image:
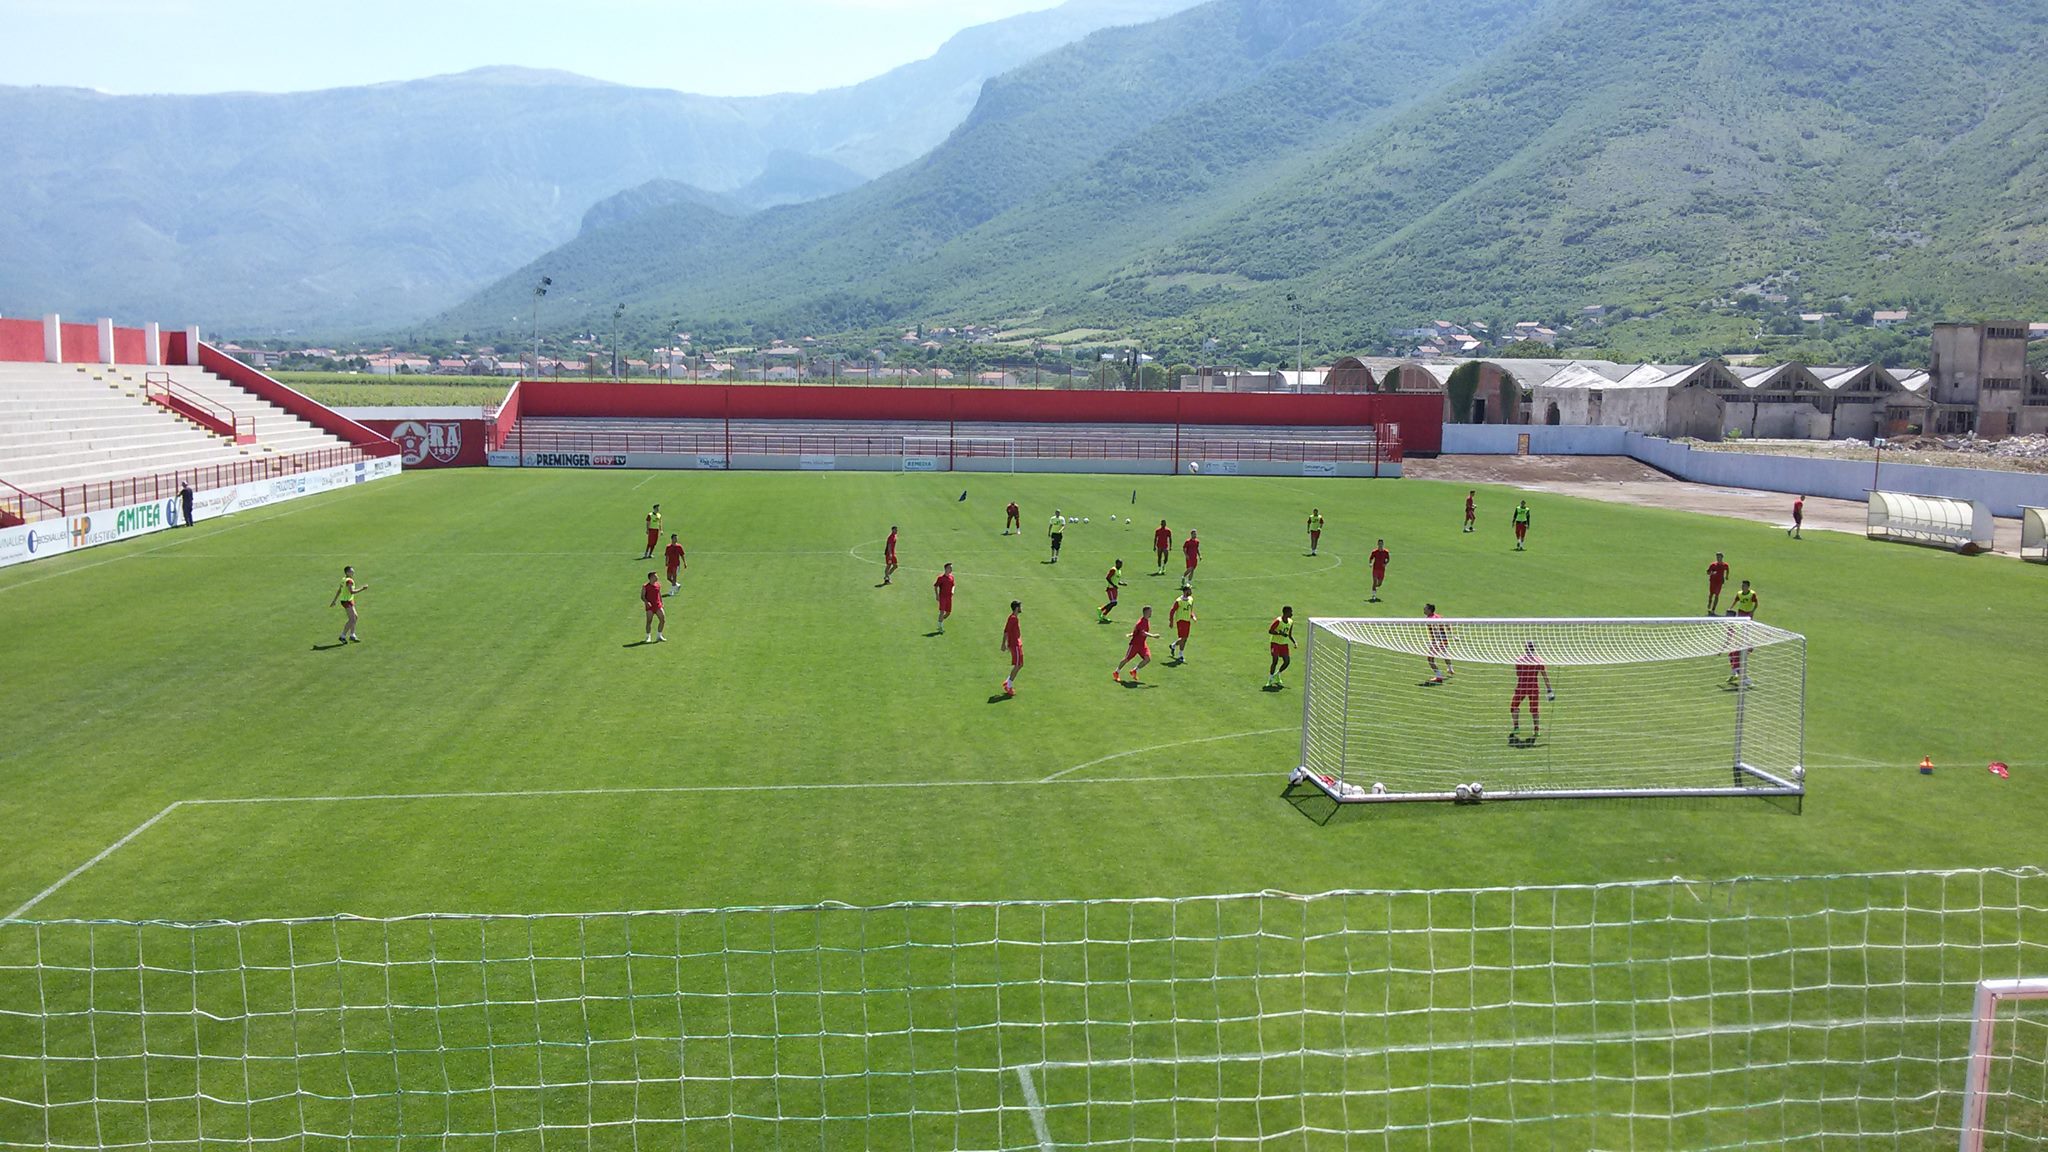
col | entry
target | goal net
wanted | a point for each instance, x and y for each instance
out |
(1752, 1013)
(959, 454)
(1422, 709)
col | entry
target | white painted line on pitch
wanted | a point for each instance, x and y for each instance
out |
(643, 483)
(182, 539)
(1037, 1109)
(109, 850)
(1654, 1035)
(1159, 747)
(646, 790)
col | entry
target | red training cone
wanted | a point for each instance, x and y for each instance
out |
(1997, 768)
(1927, 765)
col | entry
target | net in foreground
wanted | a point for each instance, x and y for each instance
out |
(1470, 709)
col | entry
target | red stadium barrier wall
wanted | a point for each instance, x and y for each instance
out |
(436, 443)
(81, 343)
(311, 411)
(21, 341)
(1420, 417)
(508, 415)
(173, 346)
(131, 346)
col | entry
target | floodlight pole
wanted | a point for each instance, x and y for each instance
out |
(616, 313)
(1295, 304)
(539, 290)
(1878, 464)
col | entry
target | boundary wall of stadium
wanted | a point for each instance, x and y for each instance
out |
(46, 538)
(2006, 492)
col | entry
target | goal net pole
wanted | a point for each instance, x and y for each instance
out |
(1434, 709)
(2008, 1064)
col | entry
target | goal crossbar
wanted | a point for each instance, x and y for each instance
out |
(1431, 709)
(1985, 1054)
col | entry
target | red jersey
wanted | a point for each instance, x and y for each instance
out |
(945, 585)
(1162, 538)
(1379, 559)
(1468, 505)
(1013, 633)
(1192, 549)
(1011, 511)
(1798, 508)
(674, 553)
(650, 595)
(1717, 573)
(1141, 632)
(889, 547)
(1527, 669)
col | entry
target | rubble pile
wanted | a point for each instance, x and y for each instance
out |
(2010, 448)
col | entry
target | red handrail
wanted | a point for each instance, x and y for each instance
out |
(160, 389)
(75, 499)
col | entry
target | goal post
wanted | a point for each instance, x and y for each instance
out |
(959, 454)
(1468, 709)
(2005, 1087)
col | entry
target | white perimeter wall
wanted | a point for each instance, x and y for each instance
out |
(48, 538)
(2005, 492)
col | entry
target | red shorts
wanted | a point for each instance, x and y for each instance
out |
(653, 537)
(945, 603)
(1182, 627)
(1192, 564)
(1714, 587)
(1282, 650)
(1315, 534)
(1379, 573)
(1138, 650)
(1112, 594)
(1017, 654)
(672, 570)
(1522, 694)
(889, 558)
(1520, 529)
(652, 608)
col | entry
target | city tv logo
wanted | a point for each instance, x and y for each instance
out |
(429, 440)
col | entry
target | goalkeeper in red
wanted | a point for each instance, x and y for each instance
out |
(1528, 670)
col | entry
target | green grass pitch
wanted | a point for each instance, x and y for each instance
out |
(500, 742)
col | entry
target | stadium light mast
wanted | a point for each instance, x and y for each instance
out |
(1294, 304)
(616, 313)
(539, 290)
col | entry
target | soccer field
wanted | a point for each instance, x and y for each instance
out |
(502, 743)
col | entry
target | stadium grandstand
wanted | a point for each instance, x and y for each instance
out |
(95, 417)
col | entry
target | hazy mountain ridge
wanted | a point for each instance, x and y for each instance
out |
(1406, 160)
(377, 205)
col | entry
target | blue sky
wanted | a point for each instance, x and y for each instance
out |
(720, 47)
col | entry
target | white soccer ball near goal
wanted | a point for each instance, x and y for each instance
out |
(1194, 466)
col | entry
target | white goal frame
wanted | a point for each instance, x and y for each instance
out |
(2034, 534)
(1491, 642)
(944, 450)
(1983, 1049)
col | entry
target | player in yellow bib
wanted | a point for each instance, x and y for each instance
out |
(1315, 529)
(346, 597)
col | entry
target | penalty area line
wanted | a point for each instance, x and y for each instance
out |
(109, 850)
(1055, 777)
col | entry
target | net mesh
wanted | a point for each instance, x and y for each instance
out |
(1753, 1013)
(1548, 707)
(2015, 1087)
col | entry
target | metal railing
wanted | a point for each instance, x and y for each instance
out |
(1365, 449)
(215, 417)
(77, 499)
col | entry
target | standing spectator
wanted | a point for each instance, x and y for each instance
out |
(185, 502)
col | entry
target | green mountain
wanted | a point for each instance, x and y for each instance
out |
(357, 207)
(1384, 163)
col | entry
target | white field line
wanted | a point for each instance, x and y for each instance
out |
(109, 850)
(1160, 747)
(646, 790)
(1694, 1032)
(1037, 1109)
(643, 483)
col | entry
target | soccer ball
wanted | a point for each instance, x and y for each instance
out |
(1478, 790)
(1084, 519)
(1379, 789)
(1127, 521)
(1464, 793)
(1194, 466)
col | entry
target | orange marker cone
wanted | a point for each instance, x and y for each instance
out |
(1927, 765)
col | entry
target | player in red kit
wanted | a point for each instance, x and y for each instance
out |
(1012, 521)
(1439, 634)
(1013, 643)
(1528, 669)
(1798, 518)
(889, 556)
(1717, 575)
(1114, 578)
(1192, 549)
(943, 589)
(657, 620)
(673, 554)
(1140, 649)
(1379, 560)
(1471, 509)
(1162, 547)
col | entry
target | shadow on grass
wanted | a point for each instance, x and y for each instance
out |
(641, 644)
(1000, 698)
(330, 647)
(935, 632)
(1316, 806)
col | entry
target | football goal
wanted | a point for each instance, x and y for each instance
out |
(2005, 1090)
(1483, 709)
(959, 454)
(2034, 533)
(1759, 1013)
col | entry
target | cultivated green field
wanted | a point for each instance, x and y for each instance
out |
(502, 743)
